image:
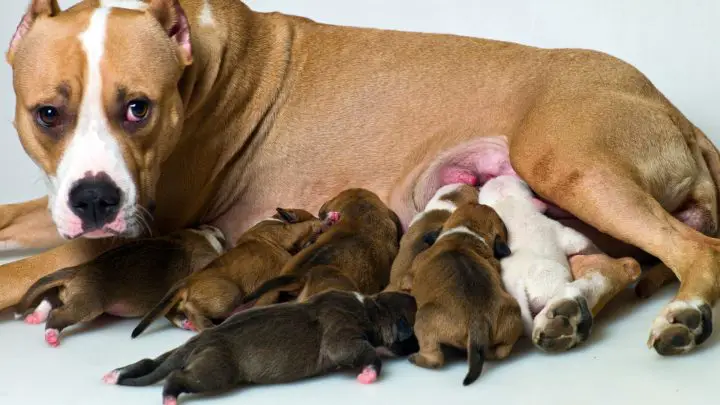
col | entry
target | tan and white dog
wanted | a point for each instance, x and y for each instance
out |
(205, 112)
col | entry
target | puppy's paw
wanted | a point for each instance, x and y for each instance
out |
(368, 375)
(681, 326)
(52, 337)
(425, 361)
(188, 325)
(35, 318)
(111, 377)
(562, 324)
(168, 400)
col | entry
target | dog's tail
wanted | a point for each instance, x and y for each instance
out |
(146, 372)
(286, 283)
(170, 300)
(40, 288)
(478, 339)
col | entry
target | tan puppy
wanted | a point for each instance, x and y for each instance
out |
(156, 104)
(424, 228)
(210, 295)
(126, 281)
(354, 254)
(460, 296)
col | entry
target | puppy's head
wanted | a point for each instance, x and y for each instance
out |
(509, 187)
(483, 221)
(398, 310)
(450, 196)
(356, 203)
(98, 107)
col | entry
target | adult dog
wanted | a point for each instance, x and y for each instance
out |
(204, 111)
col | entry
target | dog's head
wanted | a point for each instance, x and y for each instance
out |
(399, 309)
(504, 187)
(358, 203)
(483, 222)
(98, 106)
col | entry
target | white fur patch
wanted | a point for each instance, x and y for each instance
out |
(127, 4)
(206, 15)
(462, 230)
(437, 204)
(359, 296)
(92, 148)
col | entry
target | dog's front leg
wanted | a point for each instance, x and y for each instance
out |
(18, 276)
(27, 225)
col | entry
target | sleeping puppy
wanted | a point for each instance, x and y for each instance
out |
(126, 281)
(209, 296)
(354, 254)
(537, 274)
(424, 228)
(460, 297)
(283, 343)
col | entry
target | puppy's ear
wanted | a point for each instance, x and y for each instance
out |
(398, 224)
(500, 248)
(430, 237)
(286, 215)
(37, 8)
(171, 16)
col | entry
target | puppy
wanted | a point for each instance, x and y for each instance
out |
(460, 297)
(355, 254)
(537, 274)
(126, 281)
(209, 296)
(283, 343)
(424, 228)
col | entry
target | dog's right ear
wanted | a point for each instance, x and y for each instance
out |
(37, 9)
(501, 249)
(171, 16)
(431, 237)
(286, 215)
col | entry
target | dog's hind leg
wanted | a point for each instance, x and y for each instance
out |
(428, 333)
(80, 308)
(356, 352)
(209, 369)
(135, 370)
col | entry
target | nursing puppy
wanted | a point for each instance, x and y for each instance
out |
(355, 254)
(283, 343)
(537, 274)
(460, 297)
(210, 295)
(424, 228)
(126, 281)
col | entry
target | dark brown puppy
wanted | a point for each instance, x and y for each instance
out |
(357, 250)
(126, 281)
(209, 296)
(459, 292)
(283, 343)
(424, 229)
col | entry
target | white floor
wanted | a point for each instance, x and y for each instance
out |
(674, 43)
(614, 367)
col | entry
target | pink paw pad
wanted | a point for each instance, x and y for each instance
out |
(52, 337)
(188, 325)
(368, 375)
(333, 216)
(169, 401)
(111, 377)
(34, 318)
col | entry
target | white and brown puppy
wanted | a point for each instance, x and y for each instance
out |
(537, 273)
(126, 281)
(424, 228)
(460, 296)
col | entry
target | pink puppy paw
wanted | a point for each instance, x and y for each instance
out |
(111, 377)
(188, 325)
(368, 375)
(34, 318)
(52, 337)
(169, 401)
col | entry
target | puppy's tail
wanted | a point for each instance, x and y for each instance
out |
(477, 343)
(148, 372)
(290, 282)
(40, 288)
(163, 307)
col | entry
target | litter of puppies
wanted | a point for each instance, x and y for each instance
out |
(474, 271)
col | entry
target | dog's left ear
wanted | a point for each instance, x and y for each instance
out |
(430, 237)
(286, 215)
(398, 224)
(171, 16)
(37, 8)
(500, 248)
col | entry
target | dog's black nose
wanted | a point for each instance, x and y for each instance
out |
(95, 200)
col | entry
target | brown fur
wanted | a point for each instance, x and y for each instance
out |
(617, 275)
(460, 297)
(356, 252)
(212, 294)
(587, 132)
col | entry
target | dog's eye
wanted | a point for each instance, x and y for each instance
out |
(48, 116)
(137, 110)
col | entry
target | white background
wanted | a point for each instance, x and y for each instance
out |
(674, 42)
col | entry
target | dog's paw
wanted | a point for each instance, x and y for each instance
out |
(111, 377)
(368, 375)
(35, 318)
(425, 361)
(169, 400)
(681, 326)
(562, 324)
(52, 337)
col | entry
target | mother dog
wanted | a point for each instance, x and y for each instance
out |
(204, 111)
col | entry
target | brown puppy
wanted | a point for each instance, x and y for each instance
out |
(126, 281)
(424, 228)
(283, 343)
(459, 292)
(209, 296)
(355, 253)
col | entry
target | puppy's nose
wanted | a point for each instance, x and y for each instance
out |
(96, 201)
